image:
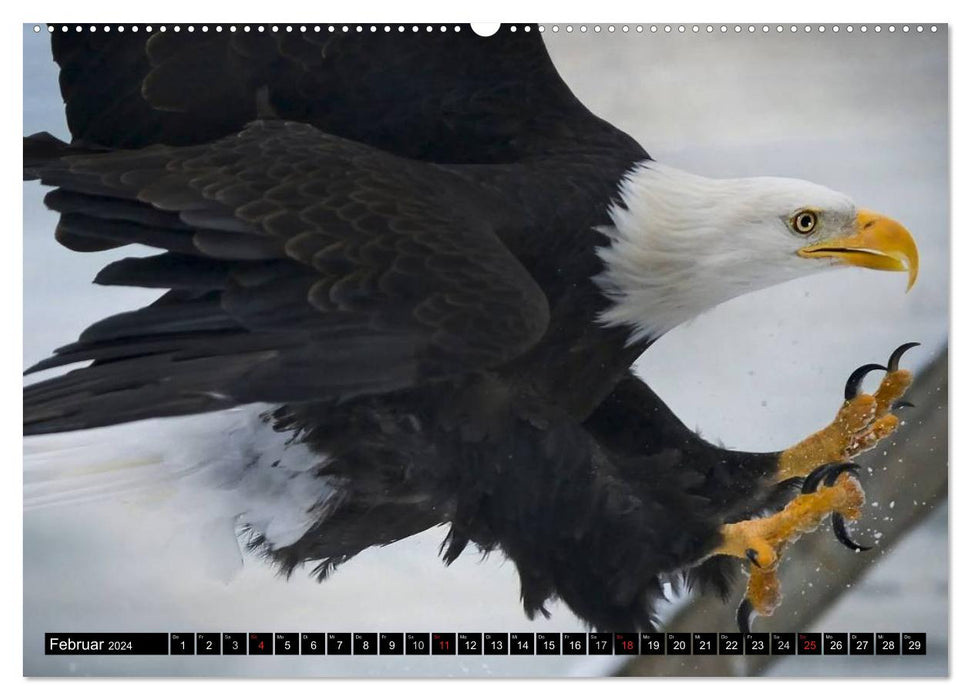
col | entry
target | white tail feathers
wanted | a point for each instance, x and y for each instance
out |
(218, 471)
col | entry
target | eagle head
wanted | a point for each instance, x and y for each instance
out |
(680, 243)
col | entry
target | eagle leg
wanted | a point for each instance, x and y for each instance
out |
(860, 424)
(834, 490)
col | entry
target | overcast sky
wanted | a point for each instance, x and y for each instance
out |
(863, 114)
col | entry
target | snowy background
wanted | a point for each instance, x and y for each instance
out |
(864, 114)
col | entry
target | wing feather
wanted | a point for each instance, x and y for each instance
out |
(447, 97)
(352, 272)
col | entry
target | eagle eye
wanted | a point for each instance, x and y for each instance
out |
(804, 222)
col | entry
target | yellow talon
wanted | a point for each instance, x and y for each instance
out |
(766, 537)
(861, 423)
(764, 591)
(892, 388)
(763, 540)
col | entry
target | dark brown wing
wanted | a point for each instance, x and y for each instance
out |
(300, 266)
(446, 97)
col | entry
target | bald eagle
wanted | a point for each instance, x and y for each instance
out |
(411, 274)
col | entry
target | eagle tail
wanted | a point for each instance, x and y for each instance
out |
(122, 467)
(220, 474)
(72, 468)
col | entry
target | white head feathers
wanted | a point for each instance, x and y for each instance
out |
(682, 243)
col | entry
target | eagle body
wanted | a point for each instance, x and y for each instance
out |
(508, 481)
(412, 274)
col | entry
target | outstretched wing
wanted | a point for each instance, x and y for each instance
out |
(447, 97)
(299, 266)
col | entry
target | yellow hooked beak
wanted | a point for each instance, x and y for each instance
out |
(879, 244)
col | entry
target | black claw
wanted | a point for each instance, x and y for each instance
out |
(827, 474)
(744, 616)
(814, 478)
(839, 529)
(838, 469)
(852, 389)
(894, 361)
(753, 557)
(897, 405)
